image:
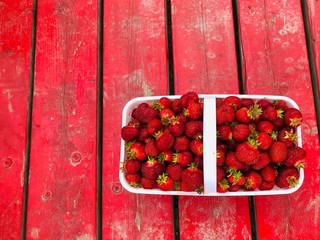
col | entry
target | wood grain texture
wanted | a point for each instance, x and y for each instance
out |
(205, 62)
(15, 43)
(276, 63)
(134, 65)
(63, 151)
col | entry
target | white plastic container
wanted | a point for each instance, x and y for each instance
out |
(209, 141)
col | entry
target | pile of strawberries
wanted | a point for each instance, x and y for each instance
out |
(257, 144)
(164, 146)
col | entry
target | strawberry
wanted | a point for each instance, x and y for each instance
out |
(253, 180)
(234, 188)
(188, 98)
(151, 148)
(235, 177)
(240, 132)
(266, 185)
(131, 166)
(147, 183)
(280, 104)
(166, 156)
(233, 101)
(133, 179)
(278, 152)
(255, 112)
(162, 103)
(177, 126)
(270, 113)
(278, 123)
(136, 151)
(247, 102)
(264, 141)
(181, 144)
(288, 177)
(288, 136)
(194, 129)
(247, 152)
(224, 132)
(221, 156)
(192, 176)
(174, 171)
(263, 161)
(221, 173)
(152, 168)
(264, 103)
(193, 111)
(129, 133)
(265, 126)
(144, 135)
(242, 115)
(144, 113)
(232, 161)
(196, 146)
(154, 126)
(164, 141)
(293, 117)
(296, 157)
(199, 161)
(225, 114)
(183, 158)
(164, 182)
(223, 186)
(166, 115)
(268, 173)
(184, 187)
(177, 106)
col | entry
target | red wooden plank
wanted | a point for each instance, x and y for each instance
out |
(205, 61)
(62, 162)
(276, 62)
(134, 65)
(15, 38)
(314, 22)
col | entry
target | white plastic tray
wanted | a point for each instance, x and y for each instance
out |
(209, 141)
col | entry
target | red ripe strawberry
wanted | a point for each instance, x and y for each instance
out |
(296, 157)
(221, 173)
(196, 146)
(199, 161)
(293, 117)
(165, 183)
(174, 171)
(278, 152)
(147, 183)
(154, 126)
(162, 103)
(278, 123)
(164, 141)
(247, 152)
(177, 106)
(193, 111)
(264, 141)
(131, 166)
(194, 129)
(184, 187)
(264, 103)
(288, 177)
(280, 104)
(183, 158)
(268, 173)
(144, 113)
(133, 179)
(233, 101)
(270, 113)
(181, 144)
(253, 180)
(240, 132)
(166, 156)
(265, 126)
(129, 133)
(221, 157)
(223, 186)
(266, 185)
(152, 168)
(192, 176)
(235, 177)
(166, 115)
(225, 114)
(151, 148)
(176, 126)
(189, 97)
(288, 136)
(234, 188)
(242, 115)
(224, 132)
(136, 151)
(144, 135)
(232, 161)
(247, 102)
(263, 161)
(255, 112)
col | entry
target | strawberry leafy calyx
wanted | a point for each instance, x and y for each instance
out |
(254, 111)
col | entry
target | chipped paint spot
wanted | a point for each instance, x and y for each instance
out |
(85, 237)
(35, 233)
(9, 97)
(313, 208)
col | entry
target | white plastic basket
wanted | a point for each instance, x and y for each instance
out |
(209, 147)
